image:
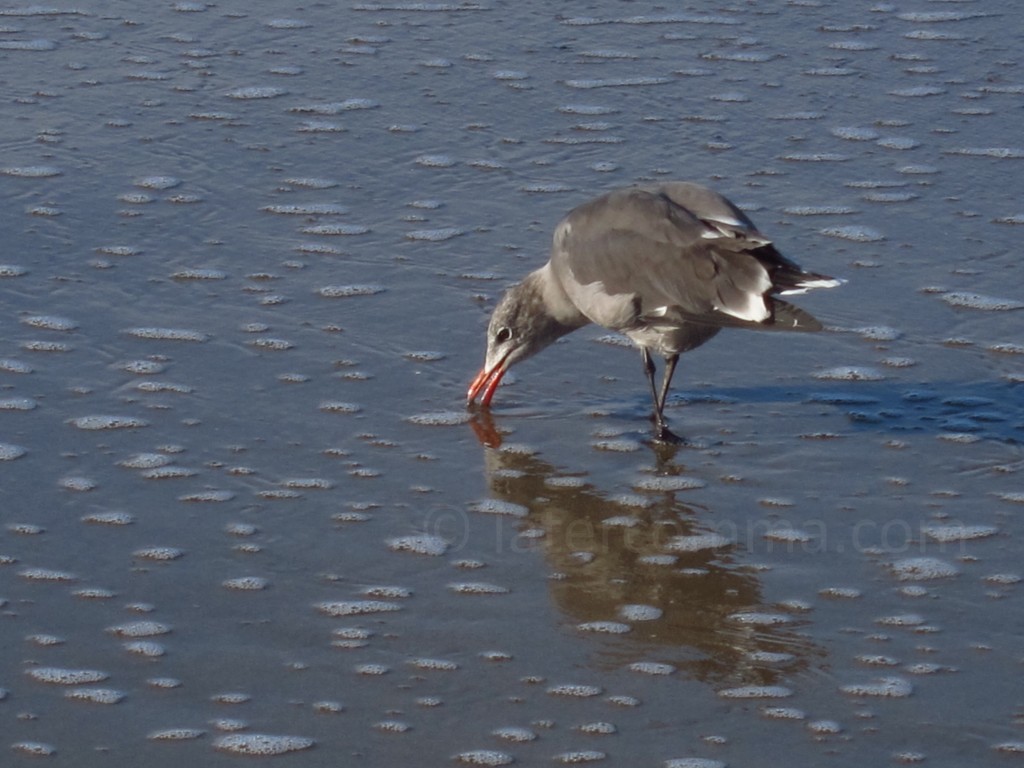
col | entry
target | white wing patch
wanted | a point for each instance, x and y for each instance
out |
(807, 285)
(753, 309)
(728, 228)
(729, 221)
(723, 226)
(714, 233)
(751, 305)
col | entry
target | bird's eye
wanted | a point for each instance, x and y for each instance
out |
(503, 335)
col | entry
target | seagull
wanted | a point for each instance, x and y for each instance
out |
(668, 265)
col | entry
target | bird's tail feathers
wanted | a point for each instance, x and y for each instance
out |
(807, 281)
(789, 282)
(784, 317)
(787, 317)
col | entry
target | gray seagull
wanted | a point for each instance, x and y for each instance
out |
(668, 265)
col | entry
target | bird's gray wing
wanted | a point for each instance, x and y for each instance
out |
(638, 254)
(704, 204)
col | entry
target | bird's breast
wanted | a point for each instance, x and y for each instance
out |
(668, 340)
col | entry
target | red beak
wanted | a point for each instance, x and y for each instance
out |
(487, 381)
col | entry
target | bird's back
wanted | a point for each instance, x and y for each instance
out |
(672, 255)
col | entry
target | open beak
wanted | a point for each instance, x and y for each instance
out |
(487, 381)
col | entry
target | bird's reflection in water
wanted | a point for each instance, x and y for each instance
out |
(608, 555)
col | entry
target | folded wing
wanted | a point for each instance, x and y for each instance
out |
(672, 254)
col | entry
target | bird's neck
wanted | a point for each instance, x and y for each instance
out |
(544, 283)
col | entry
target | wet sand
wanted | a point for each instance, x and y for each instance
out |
(249, 259)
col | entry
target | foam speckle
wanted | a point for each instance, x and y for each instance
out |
(959, 532)
(337, 406)
(9, 451)
(49, 322)
(488, 757)
(108, 422)
(922, 569)
(348, 291)
(421, 544)
(176, 734)
(31, 171)
(756, 692)
(651, 668)
(886, 687)
(440, 418)
(164, 554)
(697, 542)
(167, 334)
(668, 483)
(575, 690)
(261, 744)
(434, 235)
(256, 92)
(46, 574)
(344, 230)
(246, 583)
(499, 507)
(578, 756)
(969, 300)
(604, 627)
(854, 232)
(139, 629)
(639, 612)
(694, 762)
(33, 748)
(356, 607)
(63, 676)
(95, 695)
(477, 588)
(850, 373)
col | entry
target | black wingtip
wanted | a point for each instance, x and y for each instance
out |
(787, 317)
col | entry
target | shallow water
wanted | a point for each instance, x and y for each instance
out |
(249, 258)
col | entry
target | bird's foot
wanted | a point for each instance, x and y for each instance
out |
(665, 436)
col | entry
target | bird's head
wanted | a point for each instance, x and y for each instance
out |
(521, 326)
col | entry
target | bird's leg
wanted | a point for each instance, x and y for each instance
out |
(649, 370)
(665, 434)
(666, 380)
(661, 431)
